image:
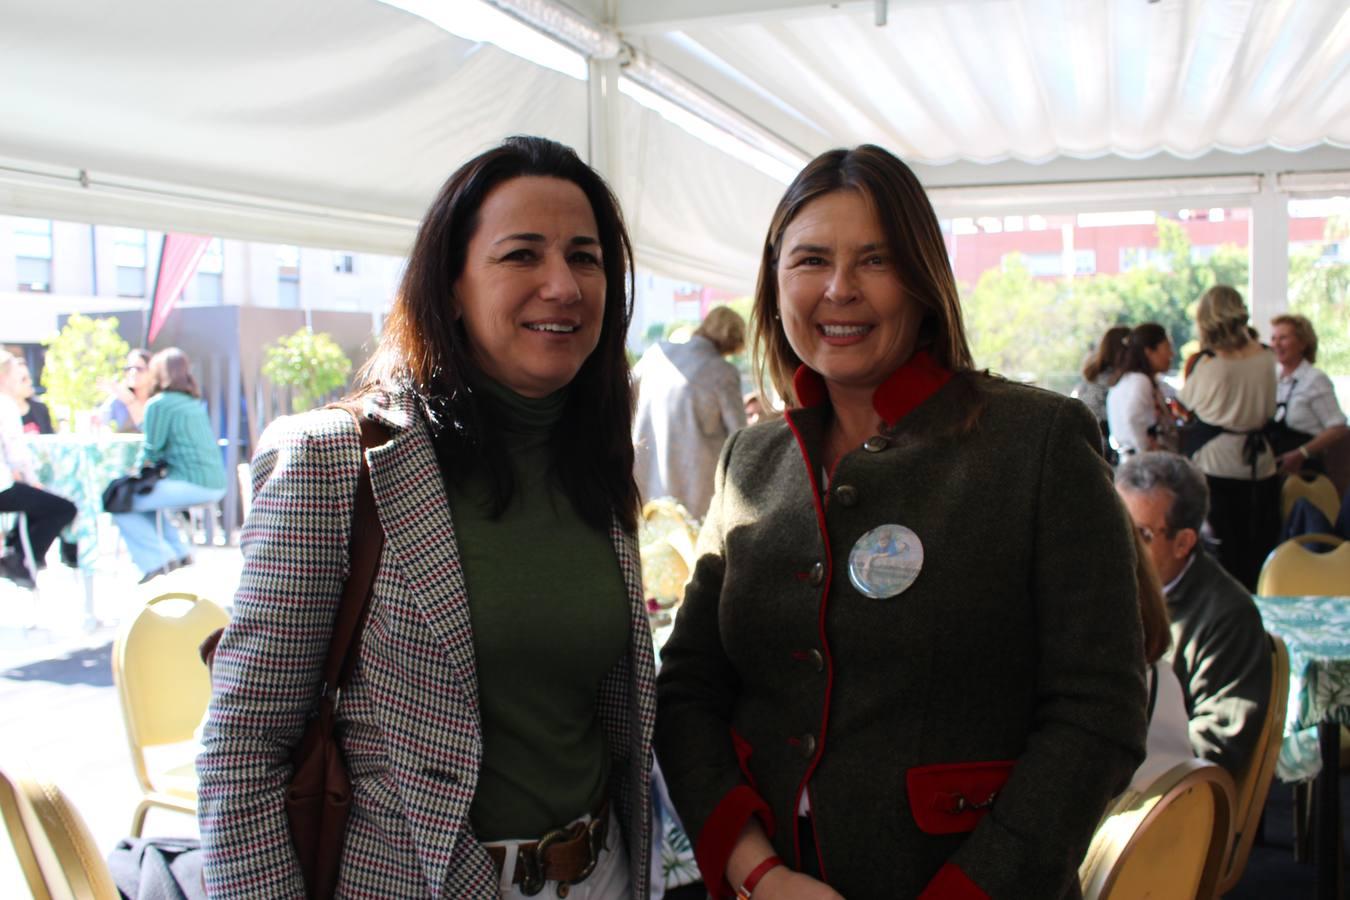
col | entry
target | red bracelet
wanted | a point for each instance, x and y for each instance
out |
(752, 880)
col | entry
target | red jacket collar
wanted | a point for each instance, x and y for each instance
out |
(910, 385)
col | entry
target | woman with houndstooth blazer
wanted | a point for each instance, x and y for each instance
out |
(497, 728)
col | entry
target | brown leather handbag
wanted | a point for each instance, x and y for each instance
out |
(319, 795)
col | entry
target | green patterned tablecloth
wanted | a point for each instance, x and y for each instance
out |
(79, 467)
(1317, 633)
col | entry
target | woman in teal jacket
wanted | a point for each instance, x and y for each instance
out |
(178, 440)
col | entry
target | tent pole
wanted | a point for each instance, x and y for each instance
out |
(1268, 237)
(602, 108)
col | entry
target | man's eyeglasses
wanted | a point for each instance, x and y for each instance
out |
(1146, 534)
(134, 369)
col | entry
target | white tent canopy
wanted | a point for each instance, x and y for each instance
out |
(333, 123)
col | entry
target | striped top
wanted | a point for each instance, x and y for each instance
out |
(178, 434)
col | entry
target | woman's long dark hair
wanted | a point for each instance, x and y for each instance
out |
(425, 348)
(1143, 337)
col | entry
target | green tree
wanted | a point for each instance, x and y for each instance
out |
(1024, 327)
(81, 359)
(1319, 288)
(1038, 329)
(310, 363)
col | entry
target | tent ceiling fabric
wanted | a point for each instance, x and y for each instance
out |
(334, 122)
(350, 106)
(1031, 80)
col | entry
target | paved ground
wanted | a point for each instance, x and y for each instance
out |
(57, 702)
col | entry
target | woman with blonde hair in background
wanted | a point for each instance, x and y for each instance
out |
(1308, 419)
(1231, 394)
(689, 403)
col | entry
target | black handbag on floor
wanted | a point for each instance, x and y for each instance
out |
(117, 496)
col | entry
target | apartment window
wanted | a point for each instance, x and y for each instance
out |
(344, 263)
(288, 276)
(209, 274)
(33, 256)
(129, 255)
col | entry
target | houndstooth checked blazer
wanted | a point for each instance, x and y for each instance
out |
(409, 717)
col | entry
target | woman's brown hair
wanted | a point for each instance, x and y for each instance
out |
(171, 370)
(424, 347)
(914, 239)
(1110, 355)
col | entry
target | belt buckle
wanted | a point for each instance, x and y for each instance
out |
(535, 862)
(595, 842)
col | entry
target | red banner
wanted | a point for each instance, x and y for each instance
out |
(178, 259)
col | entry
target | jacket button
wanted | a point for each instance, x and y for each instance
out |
(818, 574)
(875, 444)
(847, 495)
(808, 745)
(817, 659)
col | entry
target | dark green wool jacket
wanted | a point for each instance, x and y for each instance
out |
(1221, 655)
(1011, 668)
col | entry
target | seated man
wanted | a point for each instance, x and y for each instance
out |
(1219, 647)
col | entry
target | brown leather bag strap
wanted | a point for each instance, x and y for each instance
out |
(367, 542)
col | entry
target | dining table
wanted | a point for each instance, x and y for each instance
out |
(78, 466)
(1316, 631)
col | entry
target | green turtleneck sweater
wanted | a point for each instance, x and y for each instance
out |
(550, 618)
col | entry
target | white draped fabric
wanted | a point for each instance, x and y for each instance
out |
(333, 122)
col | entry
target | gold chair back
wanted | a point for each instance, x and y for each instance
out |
(1167, 843)
(1253, 787)
(1292, 570)
(56, 852)
(164, 689)
(1319, 491)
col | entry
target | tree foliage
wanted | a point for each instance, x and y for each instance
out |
(1040, 329)
(311, 364)
(1319, 288)
(81, 358)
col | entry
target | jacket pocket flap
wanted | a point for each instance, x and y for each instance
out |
(951, 798)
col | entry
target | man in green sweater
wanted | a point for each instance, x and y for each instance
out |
(1220, 650)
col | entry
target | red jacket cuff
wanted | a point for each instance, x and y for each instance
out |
(720, 832)
(950, 883)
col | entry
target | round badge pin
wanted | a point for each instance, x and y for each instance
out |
(885, 561)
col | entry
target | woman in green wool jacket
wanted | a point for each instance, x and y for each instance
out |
(909, 660)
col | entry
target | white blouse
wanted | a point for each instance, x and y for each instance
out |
(1310, 398)
(1131, 411)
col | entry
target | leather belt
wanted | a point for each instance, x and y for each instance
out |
(567, 855)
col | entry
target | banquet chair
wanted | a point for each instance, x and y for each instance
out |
(1292, 570)
(1318, 490)
(1253, 786)
(164, 688)
(56, 852)
(1166, 843)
